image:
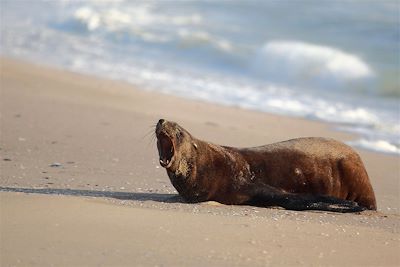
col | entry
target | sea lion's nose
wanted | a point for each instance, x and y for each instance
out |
(161, 121)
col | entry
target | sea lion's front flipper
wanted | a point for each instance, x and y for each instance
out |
(269, 196)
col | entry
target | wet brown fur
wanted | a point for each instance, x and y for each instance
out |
(201, 171)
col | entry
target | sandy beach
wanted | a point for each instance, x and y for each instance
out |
(80, 184)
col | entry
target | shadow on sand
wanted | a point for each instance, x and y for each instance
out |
(166, 198)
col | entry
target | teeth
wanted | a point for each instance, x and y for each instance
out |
(164, 162)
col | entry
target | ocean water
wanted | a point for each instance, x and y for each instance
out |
(334, 61)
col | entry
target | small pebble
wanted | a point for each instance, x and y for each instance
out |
(55, 165)
(7, 159)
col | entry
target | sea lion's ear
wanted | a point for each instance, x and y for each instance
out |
(195, 145)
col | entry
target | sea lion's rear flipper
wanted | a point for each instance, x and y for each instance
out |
(325, 203)
(269, 196)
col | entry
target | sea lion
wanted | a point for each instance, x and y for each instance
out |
(299, 174)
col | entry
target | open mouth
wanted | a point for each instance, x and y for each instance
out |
(165, 150)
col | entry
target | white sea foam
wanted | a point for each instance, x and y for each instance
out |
(139, 17)
(376, 145)
(150, 26)
(341, 114)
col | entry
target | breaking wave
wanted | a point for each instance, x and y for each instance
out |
(308, 64)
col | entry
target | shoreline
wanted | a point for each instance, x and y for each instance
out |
(356, 139)
(88, 142)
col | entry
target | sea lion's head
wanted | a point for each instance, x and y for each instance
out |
(174, 144)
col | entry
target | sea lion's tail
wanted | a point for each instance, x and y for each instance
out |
(267, 196)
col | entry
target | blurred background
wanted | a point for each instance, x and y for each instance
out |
(334, 61)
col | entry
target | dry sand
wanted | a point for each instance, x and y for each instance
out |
(78, 157)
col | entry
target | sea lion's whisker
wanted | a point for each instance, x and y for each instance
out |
(152, 139)
(147, 134)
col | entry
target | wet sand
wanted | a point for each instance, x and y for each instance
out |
(78, 156)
